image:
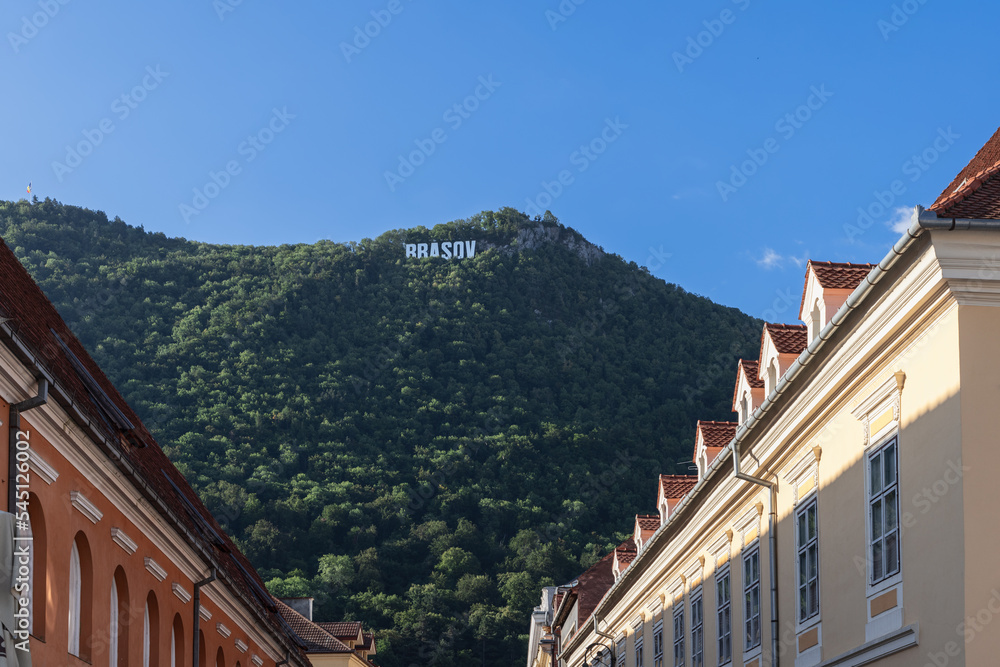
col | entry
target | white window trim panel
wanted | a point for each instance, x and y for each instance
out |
(878, 648)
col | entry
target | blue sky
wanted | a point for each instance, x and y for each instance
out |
(646, 107)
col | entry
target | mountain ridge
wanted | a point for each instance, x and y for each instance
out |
(418, 443)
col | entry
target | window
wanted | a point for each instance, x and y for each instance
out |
(772, 376)
(724, 616)
(883, 512)
(751, 596)
(658, 644)
(638, 648)
(815, 320)
(37, 556)
(697, 630)
(744, 409)
(621, 652)
(807, 538)
(151, 633)
(679, 636)
(75, 585)
(80, 598)
(113, 627)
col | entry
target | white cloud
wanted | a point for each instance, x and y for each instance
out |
(770, 260)
(902, 217)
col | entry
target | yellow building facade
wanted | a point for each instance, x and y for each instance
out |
(848, 516)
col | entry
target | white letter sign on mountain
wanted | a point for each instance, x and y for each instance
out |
(445, 250)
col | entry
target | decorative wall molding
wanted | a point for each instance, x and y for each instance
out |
(223, 630)
(205, 614)
(87, 508)
(181, 594)
(46, 472)
(155, 569)
(124, 541)
(241, 646)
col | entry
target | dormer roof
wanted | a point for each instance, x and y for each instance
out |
(834, 276)
(750, 370)
(975, 192)
(787, 338)
(675, 487)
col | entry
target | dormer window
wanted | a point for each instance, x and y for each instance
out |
(828, 284)
(744, 408)
(772, 376)
(780, 346)
(749, 392)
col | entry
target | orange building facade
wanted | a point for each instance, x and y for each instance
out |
(121, 563)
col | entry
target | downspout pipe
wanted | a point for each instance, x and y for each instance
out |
(610, 638)
(196, 644)
(283, 662)
(40, 399)
(772, 546)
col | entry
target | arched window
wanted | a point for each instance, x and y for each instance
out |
(202, 650)
(220, 658)
(81, 595)
(39, 557)
(772, 376)
(151, 633)
(177, 642)
(744, 409)
(120, 620)
(815, 319)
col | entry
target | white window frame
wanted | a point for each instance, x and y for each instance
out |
(620, 647)
(145, 637)
(697, 628)
(724, 610)
(751, 643)
(678, 617)
(113, 626)
(886, 581)
(658, 644)
(75, 585)
(637, 649)
(803, 550)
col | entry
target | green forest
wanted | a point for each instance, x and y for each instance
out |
(419, 444)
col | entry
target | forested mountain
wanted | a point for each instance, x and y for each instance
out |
(418, 443)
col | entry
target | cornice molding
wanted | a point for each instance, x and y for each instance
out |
(223, 630)
(180, 592)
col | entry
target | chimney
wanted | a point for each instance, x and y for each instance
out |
(303, 606)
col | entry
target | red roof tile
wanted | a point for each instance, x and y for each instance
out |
(674, 487)
(835, 275)
(975, 192)
(316, 639)
(37, 326)
(650, 522)
(626, 552)
(717, 434)
(788, 338)
(342, 630)
(589, 590)
(750, 367)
